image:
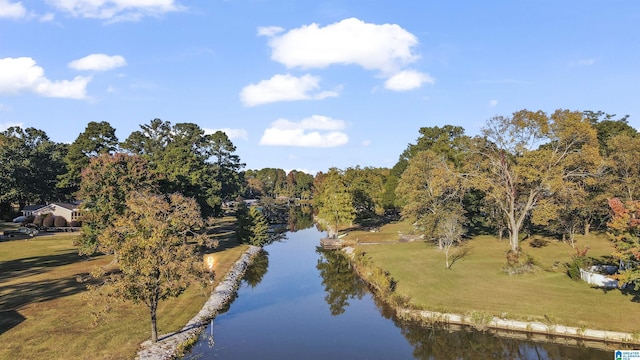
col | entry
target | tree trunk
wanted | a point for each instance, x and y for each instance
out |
(587, 228)
(154, 328)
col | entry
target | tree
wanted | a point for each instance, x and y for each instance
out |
(226, 165)
(106, 184)
(528, 157)
(624, 231)
(191, 162)
(624, 166)
(97, 139)
(448, 141)
(429, 189)
(155, 242)
(334, 201)
(29, 166)
(252, 226)
(450, 231)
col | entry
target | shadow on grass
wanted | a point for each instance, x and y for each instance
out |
(18, 295)
(9, 319)
(18, 268)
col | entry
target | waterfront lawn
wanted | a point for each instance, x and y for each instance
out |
(44, 312)
(477, 283)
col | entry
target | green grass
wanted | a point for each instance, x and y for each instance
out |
(477, 283)
(44, 312)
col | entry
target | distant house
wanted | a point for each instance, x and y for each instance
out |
(68, 211)
(29, 209)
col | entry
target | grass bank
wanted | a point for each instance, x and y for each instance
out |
(476, 283)
(44, 314)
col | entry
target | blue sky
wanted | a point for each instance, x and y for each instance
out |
(312, 84)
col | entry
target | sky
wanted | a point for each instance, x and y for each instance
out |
(310, 85)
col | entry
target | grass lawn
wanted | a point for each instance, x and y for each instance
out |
(476, 282)
(44, 313)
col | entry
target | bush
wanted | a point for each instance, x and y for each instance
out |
(75, 223)
(48, 220)
(38, 220)
(60, 221)
(538, 242)
(30, 219)
(579, 260)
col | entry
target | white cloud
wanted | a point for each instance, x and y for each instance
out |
(6, 125)
(316, 131)
(116, 10)
(284, 88)
(366, 143)
(98, 62)
(583, 62)
(407, 80)
(47, 17)
(13, 10)
(493, 103)
(269, 30)
(386, 47)
(231, 133)
(22, 74)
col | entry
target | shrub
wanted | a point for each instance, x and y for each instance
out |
(38, 220)
(30, 219)
(75, 223)
(579, 260)
(520, 263)
(48, 220)
(538, 242)
(60, 221)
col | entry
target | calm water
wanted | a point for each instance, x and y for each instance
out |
(299, 302)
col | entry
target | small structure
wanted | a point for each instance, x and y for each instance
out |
(331, 243)
(68, 211)
(593, 277)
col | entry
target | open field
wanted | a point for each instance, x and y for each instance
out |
(44, 312)
(476, 283)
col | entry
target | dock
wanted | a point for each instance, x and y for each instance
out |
(331, 243)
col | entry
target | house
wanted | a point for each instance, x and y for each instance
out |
(68, 211)
(29, 209)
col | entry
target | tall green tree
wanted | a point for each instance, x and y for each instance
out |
(193, 163)
(252, 226)
(430, 188)
(448, 141)
(98, 138)
(106, 184)
(530, 156)
(154, 239)
(29, 165)
(334, 201)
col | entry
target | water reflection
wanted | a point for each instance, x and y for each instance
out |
(340, 282)
(258, 268)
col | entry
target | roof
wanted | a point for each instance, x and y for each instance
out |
(32, 207)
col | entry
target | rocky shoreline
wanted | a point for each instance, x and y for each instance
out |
(169, 344)
(483, 322)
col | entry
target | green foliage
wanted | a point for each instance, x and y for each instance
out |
(29, 165)
(105, 187)
(519, 262)
(252, 226)
(155, 239)
(198, 165)
(333, 201)
(98, 138)
(579, 260)
(341, 283)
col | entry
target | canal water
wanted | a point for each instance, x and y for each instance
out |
(301, 302)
